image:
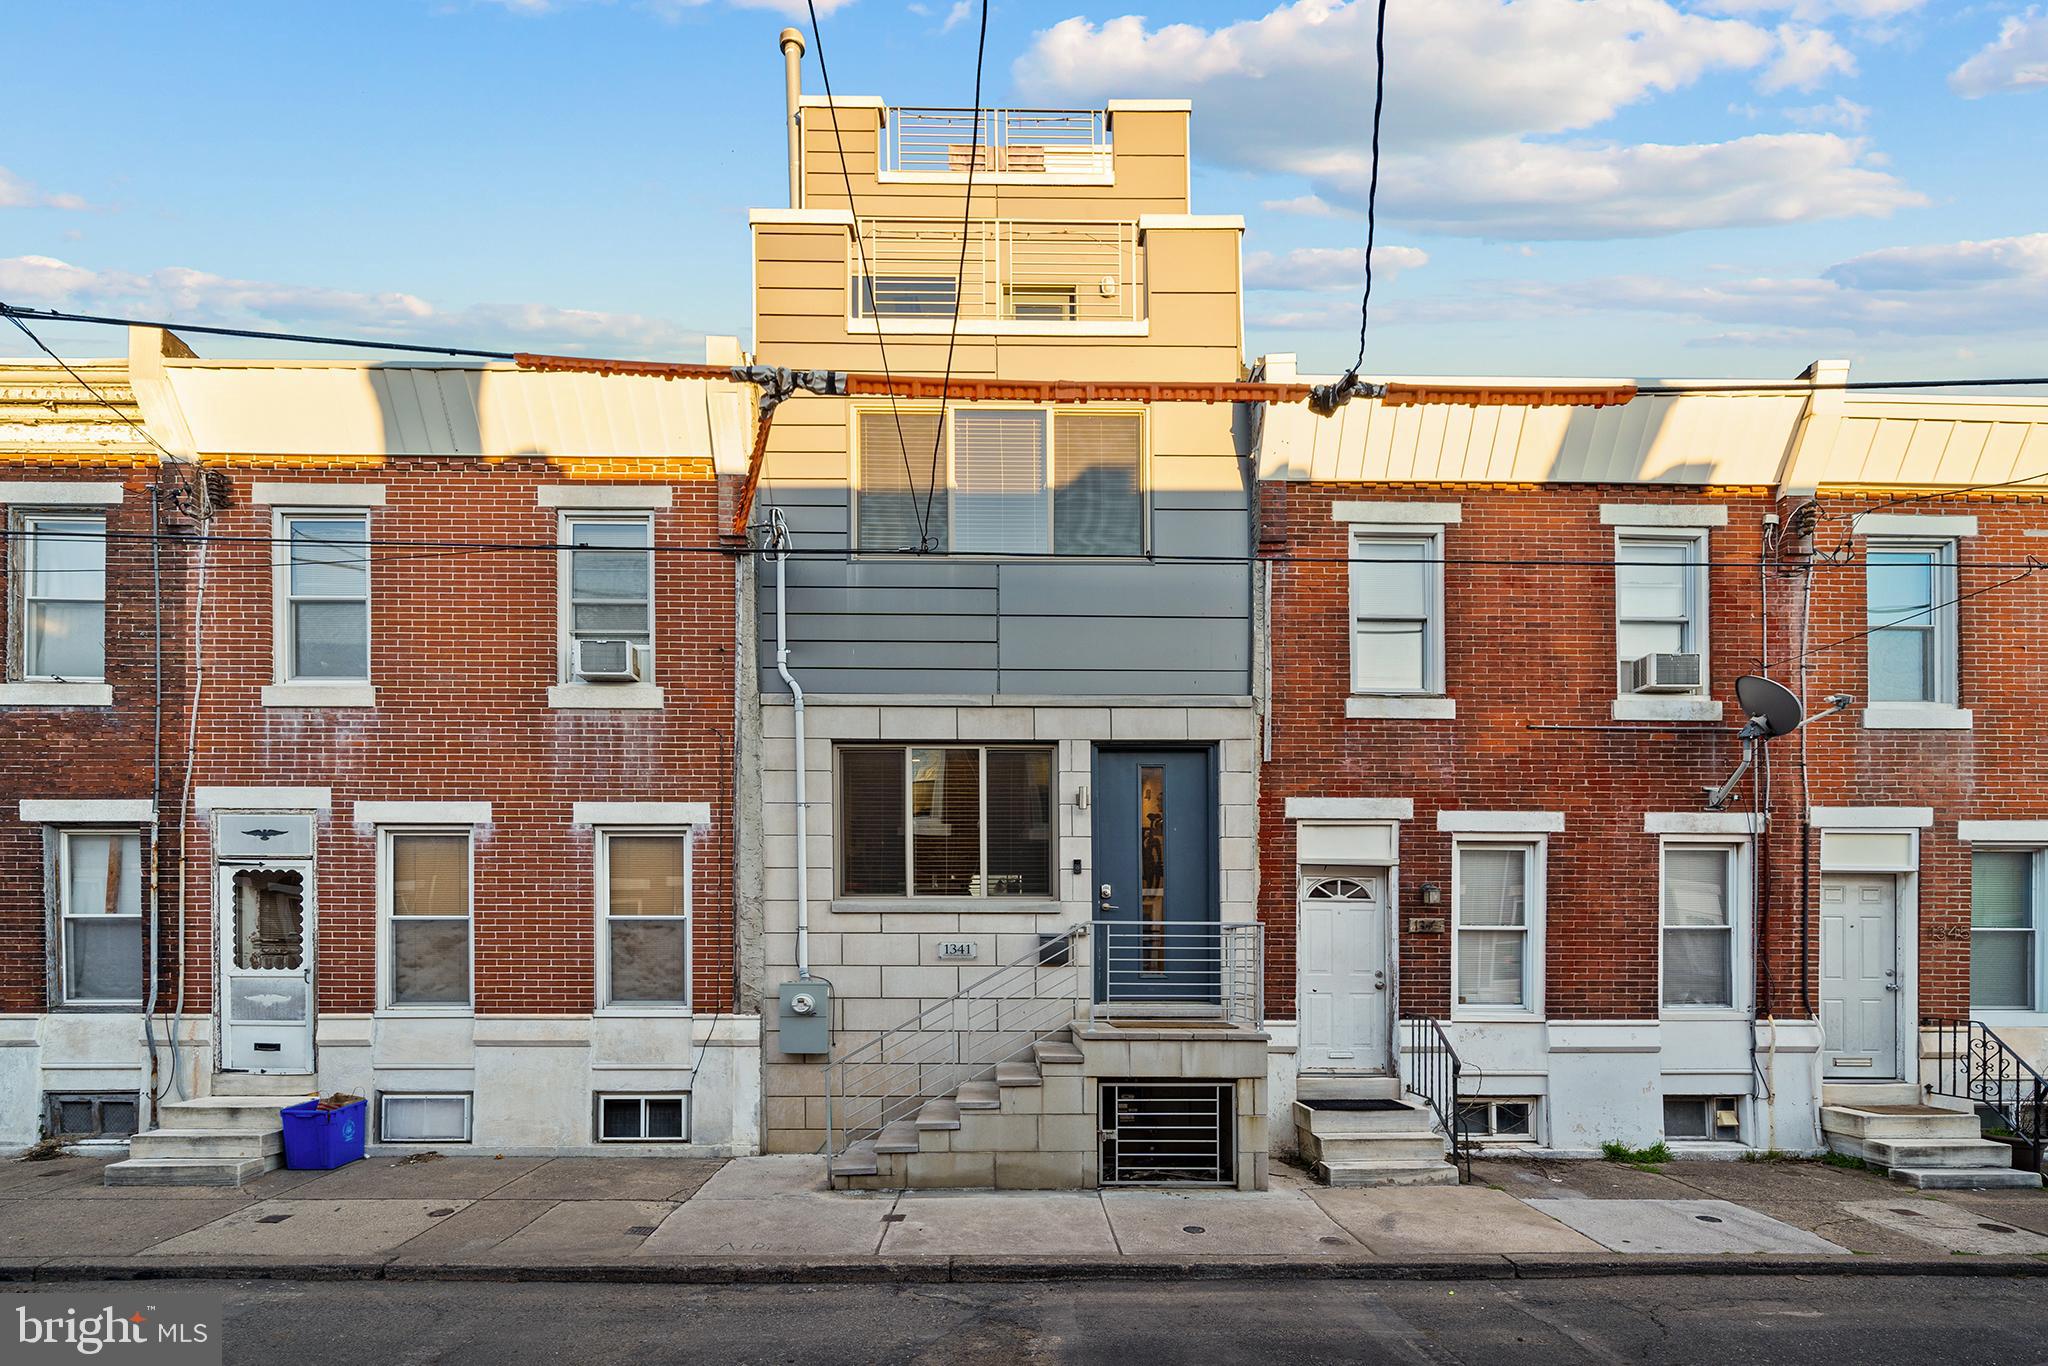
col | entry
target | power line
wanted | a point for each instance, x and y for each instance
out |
(54, 316)
(104, 401)
(959, 280)
(2028, 570)
(1372, 190)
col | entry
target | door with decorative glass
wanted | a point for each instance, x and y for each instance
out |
(1156, 907)
(1341, 962)
(264, 901)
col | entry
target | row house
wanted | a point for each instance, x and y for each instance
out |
(1498, 679)
(442, 805)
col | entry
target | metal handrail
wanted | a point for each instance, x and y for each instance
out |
(993, 1020)
(1972, 1063)
(1017, 270)
(1217, 968)
(940, 140)
(1432, 1069)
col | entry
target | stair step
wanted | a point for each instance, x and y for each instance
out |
(1939, 1152)
(1018, 1074)
(978, 1095)
(1900, 1125)
(1056, 1051)
(1347, 1086)
(1369, 1173)
(225, 1112)
(1346, 1123)
(207, 1143)
(858, 1160)
(900, 1137)
(296, 1085)
(939, 1114)
(1855, 1094)
(188, 1171)
(1408, 1147)
(1967, 1178)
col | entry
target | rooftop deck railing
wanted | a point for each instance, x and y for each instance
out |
(1070, 143)
(1014, 270)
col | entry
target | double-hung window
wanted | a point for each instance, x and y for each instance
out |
(427, 911)
(1002, 481)
(1660, 600)
(608, 590)
(2004, 929)
(60, 570)
(1911, 615)
(324, 597)
(644, 906)
(1397, 612)
(1702, 920)
(1496, 914)
(99, 890)
(946, 820)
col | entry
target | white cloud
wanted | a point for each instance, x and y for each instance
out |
(957, 15)
(199, 296)
(1812, 11)
(16, 193)
(1806, 58)
(1843, 112)
(1478, 91)
(1307, 206)
(2015, 60)
(670, 9)
(1328, 268)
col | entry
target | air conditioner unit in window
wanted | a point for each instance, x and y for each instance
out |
(607, 661)
(1665, 673)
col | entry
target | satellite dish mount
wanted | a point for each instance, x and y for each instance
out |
(1772, 710)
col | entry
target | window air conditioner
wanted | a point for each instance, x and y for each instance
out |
(1665, 673)
(607, 661)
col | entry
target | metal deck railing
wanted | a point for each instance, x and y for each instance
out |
(1016, 270)
(1212, 970)
(1050, 142)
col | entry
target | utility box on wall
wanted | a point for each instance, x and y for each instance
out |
(806, 1017)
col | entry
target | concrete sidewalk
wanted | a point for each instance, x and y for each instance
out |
(774, 1219)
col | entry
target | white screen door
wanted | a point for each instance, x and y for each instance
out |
(1341, 962)
(1859, 976)
(266, 947)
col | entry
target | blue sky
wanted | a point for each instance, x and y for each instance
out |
(1649, 187)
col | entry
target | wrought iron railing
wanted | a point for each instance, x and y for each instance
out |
(994, 1020)
(1970, 1062)
(1072, 271)
(1206, 969)
(1048, 142)
(1430, 1068)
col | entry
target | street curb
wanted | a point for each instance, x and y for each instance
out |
(991, 1270)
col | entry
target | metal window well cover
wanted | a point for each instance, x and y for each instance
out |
(1168, 1133)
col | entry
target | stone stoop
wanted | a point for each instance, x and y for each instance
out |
(223, 1139)
(1921, 1145)
(1394, 1142)
(1034, 1125)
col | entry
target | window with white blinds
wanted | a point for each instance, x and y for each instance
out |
(1495, 915)
(1700, 916)
(1396, 613)
(1009, 481)
(2003, 939)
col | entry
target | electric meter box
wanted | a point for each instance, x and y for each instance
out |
(806, 1017)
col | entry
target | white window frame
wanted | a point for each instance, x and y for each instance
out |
(1695, 539)
(467, 1098)
(25, 522)
(2038, 960)
(1712, 1101)
(387, 939)
(565, 614)
(284, 621)
(64, 917)
(1431, 538)
(1946, 625)
(602, 880)
(1536, 851)
(1049, 412)
(598, 1099)
(1741, 967)
(1493, 1138)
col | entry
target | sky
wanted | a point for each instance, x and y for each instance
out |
(1567, 187)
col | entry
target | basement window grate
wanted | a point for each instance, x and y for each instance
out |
(70, 1115)
(412, 1117)
(1169, 1133)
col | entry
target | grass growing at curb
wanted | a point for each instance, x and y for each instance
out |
(1844, 1161)
(1642, 1159)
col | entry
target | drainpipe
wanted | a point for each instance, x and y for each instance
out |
(792, 89)
(779, 538)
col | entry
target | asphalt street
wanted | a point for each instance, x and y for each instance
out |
(1753, 1320)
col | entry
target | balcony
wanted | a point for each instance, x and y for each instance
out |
(1065, 146)
(1070, 276)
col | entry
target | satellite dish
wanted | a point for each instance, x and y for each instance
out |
(1772, 707)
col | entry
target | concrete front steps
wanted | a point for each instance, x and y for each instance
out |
(1891, 1126)
(223, 1139)
(1366, 1130)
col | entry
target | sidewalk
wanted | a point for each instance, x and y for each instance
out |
(773, 1219)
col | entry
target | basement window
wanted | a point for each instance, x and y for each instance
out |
(643, 1119)
(72, 1115)
(423, 1118)
(1703, 1119)
(1511, 1121)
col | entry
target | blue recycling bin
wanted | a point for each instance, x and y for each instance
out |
(317, 1140)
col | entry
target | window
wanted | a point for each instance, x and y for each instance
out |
(1699, 920)
(1660, 588)
(2003, 952)
(422, 1118)
(91, 1115)
(644, 901)
(909, 296)
(1009, 481)
(1396, 612)
(1911, 590)
(643, 1119)
(1703, 1119)
(99, 888)
(427, 891)
(1511, 1120)
(325, 608)
(608, 587)
(61, 598)
(1044, 303)
(951, 820)
(1496, 892)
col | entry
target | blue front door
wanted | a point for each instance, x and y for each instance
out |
(1155, 874)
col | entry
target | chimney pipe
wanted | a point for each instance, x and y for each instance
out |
(793, 89)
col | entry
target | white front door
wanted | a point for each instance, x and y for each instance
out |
(1341, 964)
(1859, 976)
(266, 949)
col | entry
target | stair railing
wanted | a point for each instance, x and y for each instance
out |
(1972, 1063)
(1431, 1069)
(963, 1038)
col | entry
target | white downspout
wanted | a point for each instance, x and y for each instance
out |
(779, 538)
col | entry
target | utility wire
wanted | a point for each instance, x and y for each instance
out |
(959, 283)
(104, 401)
(52, 315)
(867, 276)
(1372, 190)
(2031, 568)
